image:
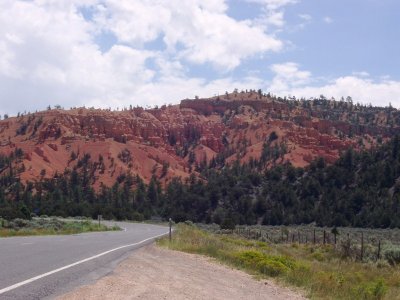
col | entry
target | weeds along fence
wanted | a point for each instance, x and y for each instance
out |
(356, 243)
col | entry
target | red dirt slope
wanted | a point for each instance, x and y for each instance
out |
(162, 141)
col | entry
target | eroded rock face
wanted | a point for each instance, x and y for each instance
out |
(236, 124)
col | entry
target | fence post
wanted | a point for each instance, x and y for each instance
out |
(314, 237)
(379, 250)
(298, 234)
(324, 237)
(348, 244)
(362, 246)
(170, 229)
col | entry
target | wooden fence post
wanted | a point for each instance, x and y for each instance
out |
(170, 229)
(348, 244)
(314, 237)
(362, 246)
(324, 237)
(379, 250)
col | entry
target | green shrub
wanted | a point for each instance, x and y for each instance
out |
(318, 256)
(18, 223)
(392, 255)
(189, 223)
(374, 290)
(242, 242)
(382, 263)
(136, 216)
(271, 265)
(228, 223)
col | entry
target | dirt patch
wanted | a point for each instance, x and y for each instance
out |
(155, 273)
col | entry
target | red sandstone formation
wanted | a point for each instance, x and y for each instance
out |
(238, 124)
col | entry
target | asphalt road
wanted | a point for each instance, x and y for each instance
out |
(43, 267)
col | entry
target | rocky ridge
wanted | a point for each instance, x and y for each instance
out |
(176, 140)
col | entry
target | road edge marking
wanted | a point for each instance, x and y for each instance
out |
(30, 280)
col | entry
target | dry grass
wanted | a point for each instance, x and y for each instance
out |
(317, 269)
(48, 226)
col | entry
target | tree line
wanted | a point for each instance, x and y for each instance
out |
(361, 189)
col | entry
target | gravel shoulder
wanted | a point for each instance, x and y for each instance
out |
(155, 273)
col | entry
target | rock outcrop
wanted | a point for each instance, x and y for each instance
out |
(236, 125)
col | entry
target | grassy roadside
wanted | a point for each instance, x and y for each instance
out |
(49, 226)
(316, 269)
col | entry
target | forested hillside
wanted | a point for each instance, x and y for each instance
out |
(178, 140)
(360, 189)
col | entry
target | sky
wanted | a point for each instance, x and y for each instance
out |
(116, 53)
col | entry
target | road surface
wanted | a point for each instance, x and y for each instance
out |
(43, 267)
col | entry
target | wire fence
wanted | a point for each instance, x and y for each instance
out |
(359, 243)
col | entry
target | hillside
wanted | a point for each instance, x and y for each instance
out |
(173, 141)
(227, 160)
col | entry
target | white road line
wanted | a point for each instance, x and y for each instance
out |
(17, 285)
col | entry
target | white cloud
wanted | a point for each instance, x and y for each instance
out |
(272, 12)
(305, 17)
(202, 28)
(361, 74)
(305, 20)
(362, 90)
(287, 76)
(275, 18)
(273, 4)
(49, 52)
(182, 88)
(289, 80)
(328, 20)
